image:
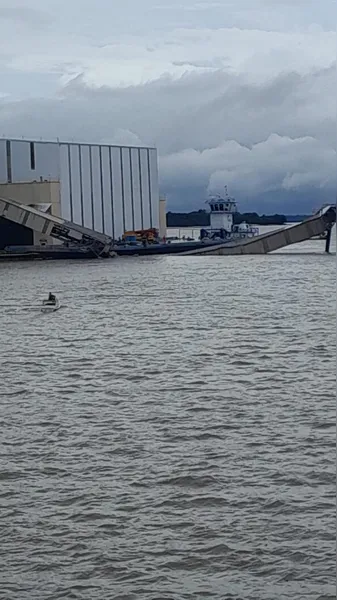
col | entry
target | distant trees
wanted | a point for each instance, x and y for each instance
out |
(201, 218)
(198, 218)
(255, 219)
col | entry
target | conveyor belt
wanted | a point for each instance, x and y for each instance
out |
(55, 227)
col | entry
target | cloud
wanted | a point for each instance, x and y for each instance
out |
(211, 129)
(122, 137)
(278, 164)
(237, 94)
(24, 15)
(218, 62)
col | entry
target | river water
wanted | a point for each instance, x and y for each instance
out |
(170, 432)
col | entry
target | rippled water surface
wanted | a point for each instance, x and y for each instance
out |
(169, 433)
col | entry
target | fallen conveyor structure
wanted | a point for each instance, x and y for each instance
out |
(55, 227)
(319, 223)
(103, 245)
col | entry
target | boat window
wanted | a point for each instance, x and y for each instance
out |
(221, 206)
(216, 207)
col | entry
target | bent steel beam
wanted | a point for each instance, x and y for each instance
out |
(55, 227)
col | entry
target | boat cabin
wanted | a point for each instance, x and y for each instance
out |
(222, 226)
(222, 210)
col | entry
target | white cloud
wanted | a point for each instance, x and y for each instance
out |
(277, 163)
(128, 61)
(122, 137)
(239, 92)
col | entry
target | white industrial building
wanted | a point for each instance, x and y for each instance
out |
(111, 189)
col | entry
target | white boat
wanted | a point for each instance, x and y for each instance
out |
(50, 306)
(222, 226)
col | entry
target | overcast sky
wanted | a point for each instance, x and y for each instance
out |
(237, 92)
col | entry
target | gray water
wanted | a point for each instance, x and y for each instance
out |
(169, 433)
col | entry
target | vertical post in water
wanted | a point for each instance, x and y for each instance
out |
(328, 239)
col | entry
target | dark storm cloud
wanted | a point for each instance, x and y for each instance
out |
(210, 128)
(230, 91)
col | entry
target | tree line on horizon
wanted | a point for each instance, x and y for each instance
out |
(201, 218)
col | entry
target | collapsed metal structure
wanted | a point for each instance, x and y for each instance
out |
(102, 245)
(56, 227)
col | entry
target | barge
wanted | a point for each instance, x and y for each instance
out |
(222, 237)
(141, 243)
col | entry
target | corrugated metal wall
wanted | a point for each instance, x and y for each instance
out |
(23, 161)
(111, 189)
(108, 188)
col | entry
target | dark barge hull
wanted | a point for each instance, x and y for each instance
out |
(42, 254)
(155, 249)
(17, 253)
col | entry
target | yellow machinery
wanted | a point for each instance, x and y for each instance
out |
(150, 236)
